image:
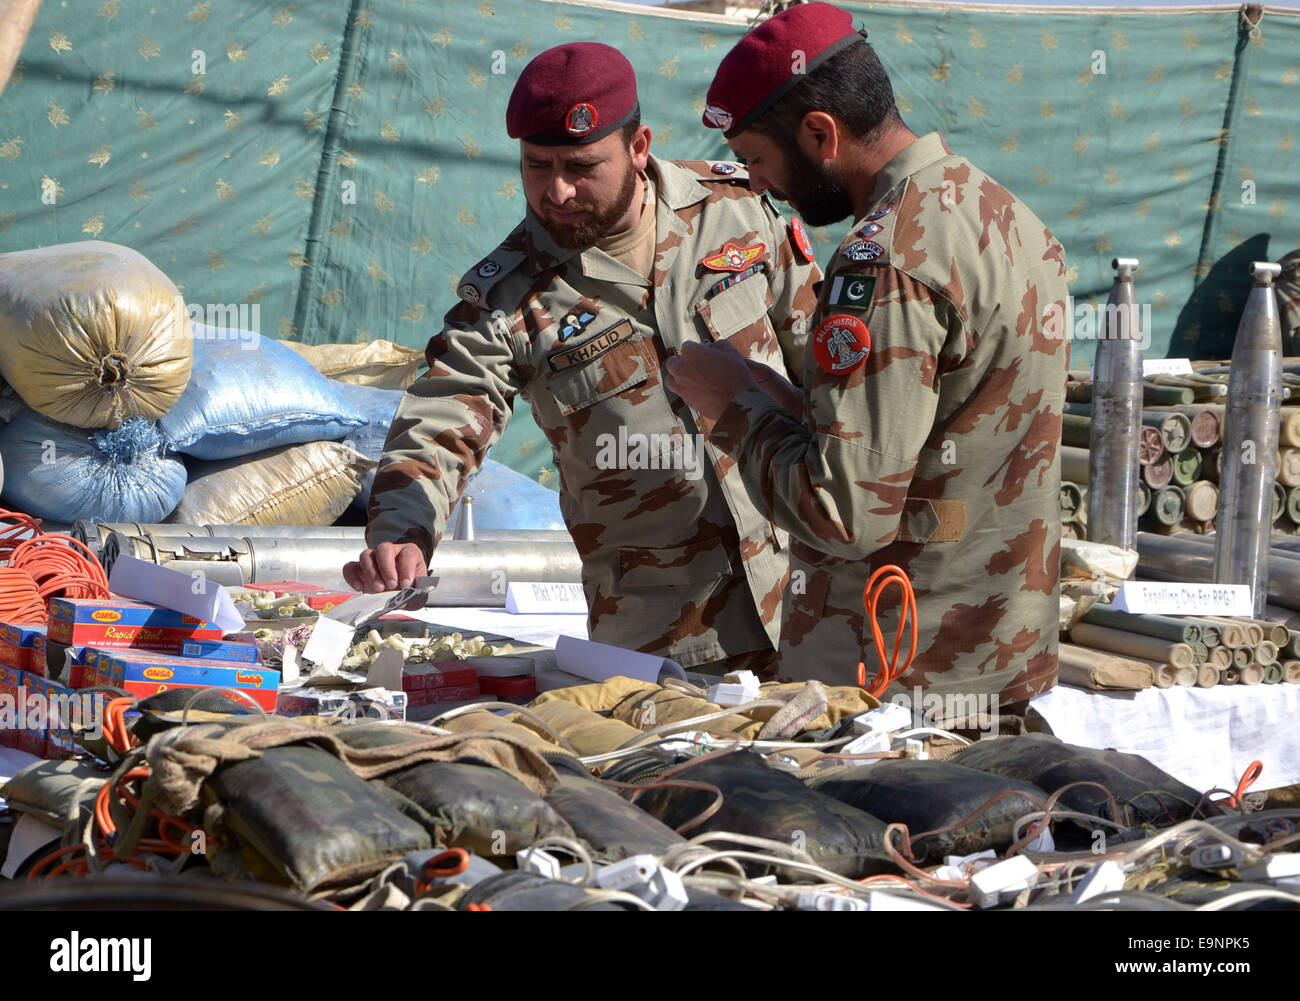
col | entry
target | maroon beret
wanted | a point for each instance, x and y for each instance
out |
(572, 95)
(761, 69)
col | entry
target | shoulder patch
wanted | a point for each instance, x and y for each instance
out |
(802, 243)
(716, 170)
(476, 284)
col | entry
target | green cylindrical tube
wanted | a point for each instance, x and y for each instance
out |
(1160, 626)
(1200, 651)
(1242, 655)
(1273, 674)
(1166, 396)
(1293, 505)
(1074, 464)
(1144, 497)
(1265, 653)
(1076, 430)
(1132, 644)
(1167, 505)
(1187, 467)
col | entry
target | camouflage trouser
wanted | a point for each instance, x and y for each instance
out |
(761, 662)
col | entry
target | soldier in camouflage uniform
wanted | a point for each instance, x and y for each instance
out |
(1287, 287)
(568, 314)
(935, 371)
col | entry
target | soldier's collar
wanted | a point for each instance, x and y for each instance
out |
(676, 188)
(927, 149)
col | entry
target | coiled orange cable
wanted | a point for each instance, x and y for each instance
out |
(890, 668)
(43, 566)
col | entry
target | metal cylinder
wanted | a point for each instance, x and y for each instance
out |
(1151, 447)
(1206, 421)
(465, 524)
(1074, 464)
(1175, 430)
(1167, 505)
(1132, 644)
(1187, 467)
(1116, 416)
(101, 530)
(1201, 500)
(1071, 501)
(472, 573)
(1162, 627)
(1288, 467)
(1160, 473)
(1191, 558)
(1251, 433)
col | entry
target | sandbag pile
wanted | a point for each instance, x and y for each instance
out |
(587, 799)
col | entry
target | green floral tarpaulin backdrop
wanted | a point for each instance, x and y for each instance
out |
(340, 165)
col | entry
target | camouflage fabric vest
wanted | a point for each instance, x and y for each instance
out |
(677, 561)
(936, 449)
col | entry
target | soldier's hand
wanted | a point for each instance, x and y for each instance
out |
(708, 376)
(386, 567)
(777, 386)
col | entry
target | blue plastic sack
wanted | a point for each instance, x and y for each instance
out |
(503, 498)
(248, 394)
(506, 499)
(378, 406)
(62, 473)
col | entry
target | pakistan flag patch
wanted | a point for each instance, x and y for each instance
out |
(853, 291)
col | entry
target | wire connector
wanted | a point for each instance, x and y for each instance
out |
(643, 876)
(818, 900)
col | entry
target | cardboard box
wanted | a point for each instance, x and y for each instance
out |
(454, 693)
(16, 645)
(362, 703)
(10, 682)
(143, 689)
(120, 623)
(244, 653)
(31, 733)
(115, 667)
(446, 674)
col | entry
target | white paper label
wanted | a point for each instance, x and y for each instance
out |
(1166, 366)
(526, 598)
(1183, 599)
(328, 644)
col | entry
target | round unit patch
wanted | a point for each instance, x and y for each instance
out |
(864, 250)
(488, 268)
(799, 236)
(469, 293)
(723, 168)
(580, 120)
(841, 343)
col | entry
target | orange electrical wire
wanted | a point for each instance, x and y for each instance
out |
(42, 566)
(889, 669)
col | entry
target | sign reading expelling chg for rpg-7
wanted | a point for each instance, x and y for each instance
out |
(1140, 597)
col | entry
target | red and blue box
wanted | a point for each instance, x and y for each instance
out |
(11, 685)
(17, 643)
(117, 623)
(244, 653)
(143, 673)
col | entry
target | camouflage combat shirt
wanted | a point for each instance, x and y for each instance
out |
(938, 452)
(676, 561)
(1287, 288)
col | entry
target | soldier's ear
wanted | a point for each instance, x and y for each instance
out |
(640, 147)
(820, 136)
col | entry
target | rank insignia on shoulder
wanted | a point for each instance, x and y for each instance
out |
(469, 293)
(723, 168)
(733, 257)
(880, 213)
(853, 291)
(799, 237)
(841, 343)
(575, 323)
(863, 251)
(488, 269)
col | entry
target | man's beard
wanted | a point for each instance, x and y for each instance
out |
(813, 190)
(589, 232)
